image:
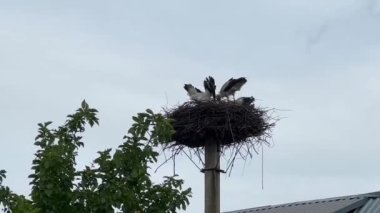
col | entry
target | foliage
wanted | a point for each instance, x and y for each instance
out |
(116, 180)
(12, 201)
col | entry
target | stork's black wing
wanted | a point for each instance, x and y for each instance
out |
(209, 84)
(234, 82)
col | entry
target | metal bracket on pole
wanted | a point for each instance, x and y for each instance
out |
(213, 169)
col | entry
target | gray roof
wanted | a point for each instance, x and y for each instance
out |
(362, 203)
(372, 205)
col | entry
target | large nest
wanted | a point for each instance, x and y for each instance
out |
(225, 123)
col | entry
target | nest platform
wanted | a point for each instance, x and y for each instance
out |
(223, 122)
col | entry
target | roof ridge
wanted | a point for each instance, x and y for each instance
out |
(323, 200)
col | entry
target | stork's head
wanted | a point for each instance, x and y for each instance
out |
(250, 100)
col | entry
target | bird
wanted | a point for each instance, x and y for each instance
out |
(209, 84)
(246, 101)
(196, 94)
(230, 87)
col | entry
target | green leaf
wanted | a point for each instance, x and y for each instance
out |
(136, 119)
(84, 104)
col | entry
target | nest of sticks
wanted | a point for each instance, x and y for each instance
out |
(226, 123)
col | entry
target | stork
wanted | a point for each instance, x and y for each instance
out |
(230, 87)
(246, 101)
(196, 94)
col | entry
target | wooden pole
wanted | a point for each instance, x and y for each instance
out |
(212, 178)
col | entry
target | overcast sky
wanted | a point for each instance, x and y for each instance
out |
(317, 60)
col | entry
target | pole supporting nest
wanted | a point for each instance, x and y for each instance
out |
(212, 177)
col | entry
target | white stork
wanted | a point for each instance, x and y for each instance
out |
(246, 101)
(198, 95)
(230, 87)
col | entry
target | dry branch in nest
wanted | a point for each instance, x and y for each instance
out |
(225, 123)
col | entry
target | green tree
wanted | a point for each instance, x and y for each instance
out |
(116, 181)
